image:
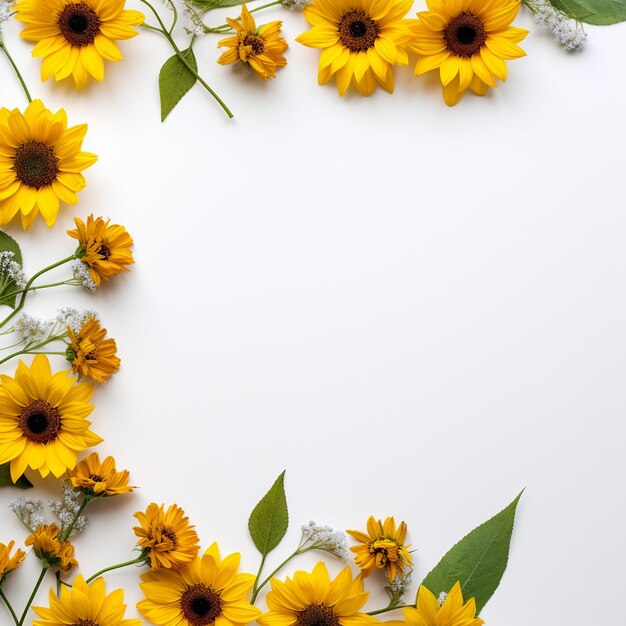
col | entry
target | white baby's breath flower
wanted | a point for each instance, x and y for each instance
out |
(294, 4)
(568, 32)
(442, 598)
(315, 537)
(74, 318)
(29, 511)
(33, 329)
(6, 8)
(82, 277)
(10, 269)
(67, 508)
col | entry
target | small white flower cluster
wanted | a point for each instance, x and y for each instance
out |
(33, 329)
(398, 588)
(6, 9)
(294, 4)
(316, 537)
(29, 511)
(442, 598)
(568, 32)
(10, 269)
(73, 318)
(67, 508)
(82, 277)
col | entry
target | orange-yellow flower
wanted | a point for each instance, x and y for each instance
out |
(98, 479)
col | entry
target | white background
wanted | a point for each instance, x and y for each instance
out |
(415, 310)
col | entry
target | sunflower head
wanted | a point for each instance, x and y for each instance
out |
(85, 605)
(468, 42)
(262, 48)
(313, 599)
(208, 590)
(451, 611)
(99, 480)
(361, 41)
(74, 37)
(103, 247)
(166, 536)
(40, 163)
(8, 562)
(382, 547)
(91, 354)
(43, 419)
(48, 547)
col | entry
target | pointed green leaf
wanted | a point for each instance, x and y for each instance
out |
(478, 561)
(600, 12)
(175, 80)
(7, 284)
(5, 478)
(269, 521)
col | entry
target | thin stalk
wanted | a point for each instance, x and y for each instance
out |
(8, 605)
(83, 506)
(17, 293)
(391, 608)
(33, 594)
(32, 349)
(136, 561)
(258, 586)
(16, 70)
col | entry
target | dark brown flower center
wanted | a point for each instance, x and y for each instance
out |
(465, 35)
(317, 615)
(79, 24)
(104, 251)
(255, 42)
(40, 422)
(96, 478)
(86, 622)
(168, 533)
(201, 605)
(35, 164)
(358, 31)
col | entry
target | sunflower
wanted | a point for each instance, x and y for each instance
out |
(361, 41)
(382, 548)
(170, 541)
(451, 611)
(99, 480)
(75, 36)
(105, 247)
(312, 599)
(43, 419)
(40, 163)
(468, 41)
(90, 354)
(48, 547)
(85, 605)
(261, 47)
(207, 590)
(9, 563)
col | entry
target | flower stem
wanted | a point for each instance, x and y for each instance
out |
(17, 72)
(164, 31)
(258, 586)
(391, 608)
(32, 349)
(8, 605)
(17, 293)
(32, 595)
(224, 28)
(83, 506)
(140, 559)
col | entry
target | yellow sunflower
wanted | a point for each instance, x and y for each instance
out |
(450, 612)
(468, 42)
(98, 479)
(167, 536)
(382, 548)
(261, 47)
(75, 36)
(9, 563)
(106, 247)
(312, 599)
(209, 590)
(361, 41)
(40, 163)
(84, 605)
(48, 547)
(90, 353)
(43, 419)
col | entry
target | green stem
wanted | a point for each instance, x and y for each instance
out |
(175, 10)
(32, 349)
(258, 586)
(83, 506)
(17, 72)
(136, 561)
(17, 293)
(224, 28)
(33, 594)
(8, 604)
(391, 608)
(183, 60)
(20, 306)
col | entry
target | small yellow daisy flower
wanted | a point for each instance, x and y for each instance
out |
(90, 353)
(382, 548)
(98, 479)
(452, 612)
(167, 536)
(49, 548)
(261, 47)
(8, 562)
(75, 36)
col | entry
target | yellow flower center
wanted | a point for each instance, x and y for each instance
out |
(40, 422)
(465, 35)
(317, 615)
(79, 24)
(35, 164)
(385, 550)
(358, 31)
(201, 605)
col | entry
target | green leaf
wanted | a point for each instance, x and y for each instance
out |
(7, 284)
(175, 80)
(269, 521)
(600, 12)
(478, 561)
(5, 478)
